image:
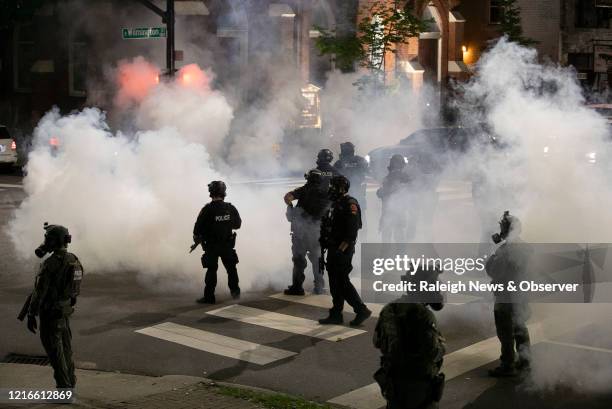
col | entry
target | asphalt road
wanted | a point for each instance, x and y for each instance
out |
(271, 342)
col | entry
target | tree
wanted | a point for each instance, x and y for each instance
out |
(510, 22)
(383, 32)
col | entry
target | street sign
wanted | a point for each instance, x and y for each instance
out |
(143, 33)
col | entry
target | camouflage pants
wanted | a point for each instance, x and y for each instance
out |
(512, 332)
(56, 338)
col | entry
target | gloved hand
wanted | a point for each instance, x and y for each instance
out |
(32, 325)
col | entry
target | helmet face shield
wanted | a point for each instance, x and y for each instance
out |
(338, 186)
(325, 156)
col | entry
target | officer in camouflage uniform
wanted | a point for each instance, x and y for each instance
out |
(339, 231)
(355, 168)
(412, 350)
(53, 300)
(511, 310)
(394, 193)
(214, 230)
(305, 219)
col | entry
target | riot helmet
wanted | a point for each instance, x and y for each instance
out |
(397, 162)
(313, 176)
(347, 149)
(217, 188)
(338, 186)
(56, 238)
(435, 300)
(509, 226)
(325, 156)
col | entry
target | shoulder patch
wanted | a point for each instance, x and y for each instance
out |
(354, 208)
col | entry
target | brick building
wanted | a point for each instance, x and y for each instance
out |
(247, 44)
(587, 41)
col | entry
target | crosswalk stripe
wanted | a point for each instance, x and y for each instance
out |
(325, 301)
(580, 346)
(216, 344)
(455, 364)
(322, 301)
(287, 323)
(367, 397)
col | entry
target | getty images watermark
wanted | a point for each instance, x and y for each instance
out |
(420, 272)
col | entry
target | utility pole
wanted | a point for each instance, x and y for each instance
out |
(168, 19)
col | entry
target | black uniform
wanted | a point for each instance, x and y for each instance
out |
(327, 172)
(53, 299)
(342, 224)
(305, 230)
(394, 218)
(355, 169)
(214, 229)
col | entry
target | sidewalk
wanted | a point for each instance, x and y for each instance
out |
(111, 390)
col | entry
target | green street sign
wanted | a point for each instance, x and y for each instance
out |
(143, 32)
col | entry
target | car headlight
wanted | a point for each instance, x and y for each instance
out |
(591, 157)
(406, 159)
(367, 158)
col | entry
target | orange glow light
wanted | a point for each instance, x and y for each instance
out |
(54, 142)
(193, 76)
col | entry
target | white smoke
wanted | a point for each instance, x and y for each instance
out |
(130, 199)
(551, 173)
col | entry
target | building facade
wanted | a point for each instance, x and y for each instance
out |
(249, 45)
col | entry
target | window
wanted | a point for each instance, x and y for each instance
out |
(77, 69)
(24, 57)
(581, 61)
(592, 14)
(496, 11)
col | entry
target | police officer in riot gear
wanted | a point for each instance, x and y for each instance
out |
(305, 219)
(325, 158)
(412, 349)
(339, 230)
(214, 230)
(355, 168)
(511, 310)
(394, 193)
(53, 300)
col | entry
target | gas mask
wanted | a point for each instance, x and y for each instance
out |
(334, 193)
(56, 237)
(504, 228)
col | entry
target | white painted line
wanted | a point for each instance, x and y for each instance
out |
(367, 397)
(322, 301)
(287, 323)
(455, 363)
(215, 343)
(11, 185)
(325, 301)
(579, 346)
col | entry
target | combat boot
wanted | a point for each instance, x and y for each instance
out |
(207, 299)
(294, 291)
(236, 294)
(503, 371)
(334, 318)
(361, 316)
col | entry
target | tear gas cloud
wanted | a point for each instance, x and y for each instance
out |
(130, 200)
(130, 197)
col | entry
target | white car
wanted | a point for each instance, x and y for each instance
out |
(8, 148)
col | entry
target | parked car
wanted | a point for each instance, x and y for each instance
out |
(434, 146)
(8, 148)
